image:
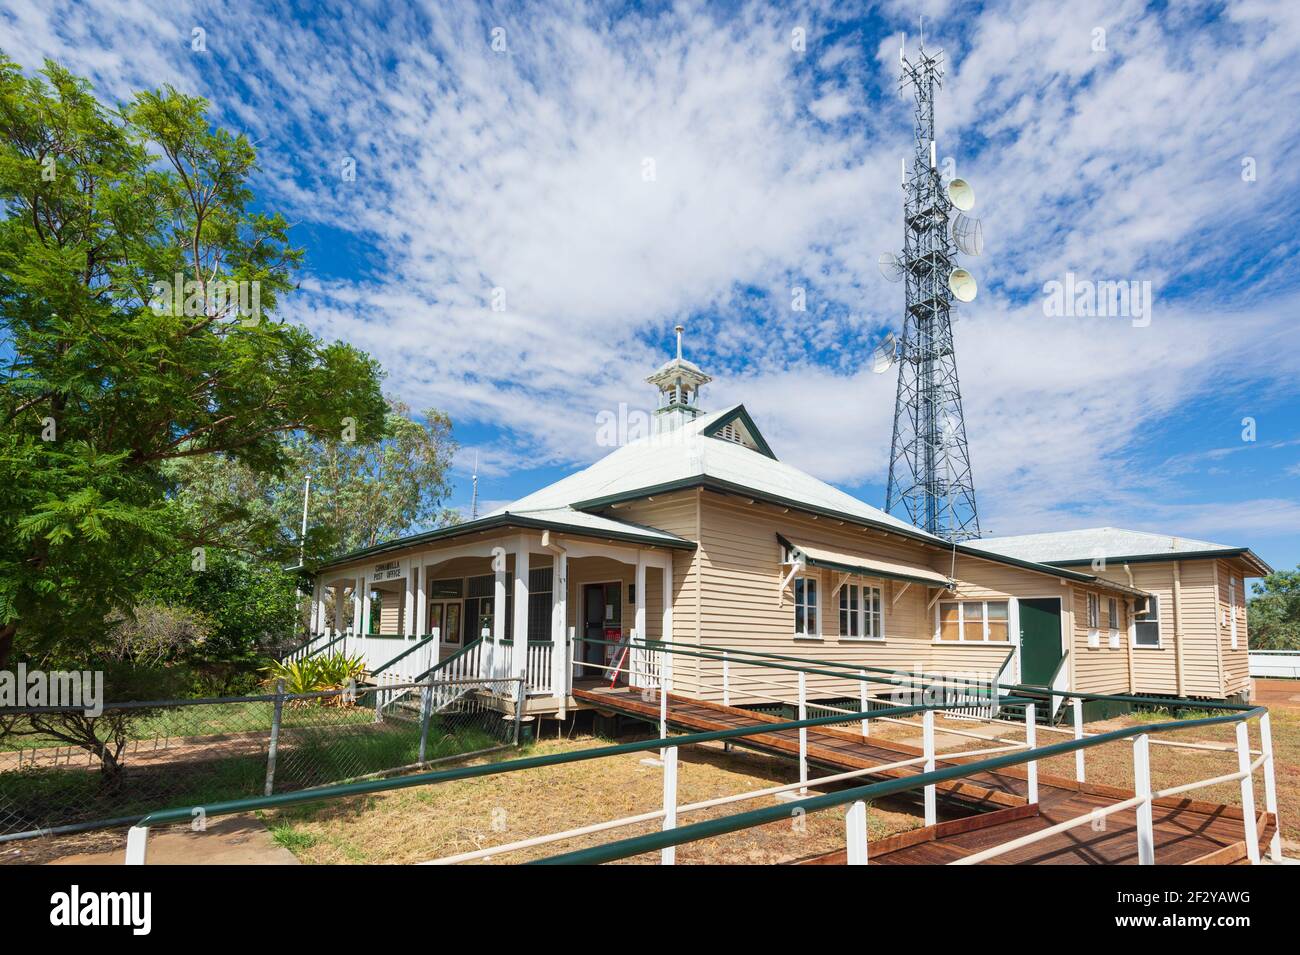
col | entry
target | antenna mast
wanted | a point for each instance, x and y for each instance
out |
(473, 501)
(930, 481)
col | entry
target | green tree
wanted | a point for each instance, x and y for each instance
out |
(1273, 614)
(361, 494)
(138, 287)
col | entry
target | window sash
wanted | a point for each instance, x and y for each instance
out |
(861, 612)
(969, 621)
(805, 607)
(1146, 624)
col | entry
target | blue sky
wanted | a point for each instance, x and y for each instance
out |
(1104, 139)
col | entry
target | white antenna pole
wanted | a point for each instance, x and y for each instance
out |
(902, 45)
(902, 171)
(932, 150)
(679, 329)
(923, 30)
(473, 507)
(302, 541)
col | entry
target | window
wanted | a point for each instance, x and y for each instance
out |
(974, 621)
(805, 607)
(1146, 624)
(997, 621)
(1112, 618)
(1232, 609)
(1094, 620)
(860, 612)
(949, 622)
(539, 603)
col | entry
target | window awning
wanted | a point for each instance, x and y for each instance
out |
(866, 566)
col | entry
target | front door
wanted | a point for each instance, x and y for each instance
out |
(444, 616)
(602, 612)
(1040, 640)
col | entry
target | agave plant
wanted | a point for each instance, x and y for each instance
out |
(333, 671)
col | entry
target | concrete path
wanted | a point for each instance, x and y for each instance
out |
(233, 840)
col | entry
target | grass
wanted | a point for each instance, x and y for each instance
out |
(216, 771)
(210, 719)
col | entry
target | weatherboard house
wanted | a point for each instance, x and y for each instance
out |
(700, 535)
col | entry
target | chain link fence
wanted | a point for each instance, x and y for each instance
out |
(64, 771)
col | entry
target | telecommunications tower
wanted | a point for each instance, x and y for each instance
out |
(930, 483)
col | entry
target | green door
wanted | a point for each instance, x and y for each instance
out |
(1040, 641)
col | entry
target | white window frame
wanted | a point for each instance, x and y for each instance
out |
(1094, 620)
(1112, 619)
(1232, 609)
(961, 622)
(865, 618)
(815, 604)
(1137, 623)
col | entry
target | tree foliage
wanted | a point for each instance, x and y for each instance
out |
(113, 369)
(361, 494)
(1274, 612)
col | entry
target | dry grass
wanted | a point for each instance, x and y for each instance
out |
(428, 823)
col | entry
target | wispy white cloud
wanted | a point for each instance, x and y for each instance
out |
(611, 175)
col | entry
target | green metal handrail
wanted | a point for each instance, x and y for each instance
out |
(455, 656)
(321, 649)
(623, 848)
(706, 829)
(163, 816)
(405, 653)
(1036, 692)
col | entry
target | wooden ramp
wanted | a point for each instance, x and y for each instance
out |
(993, 806)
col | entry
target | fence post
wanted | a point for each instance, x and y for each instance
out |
(668, 855)
(274, 748)
(1078, 734)
(1031, 740)
(1142, 788)
(927, 741)
(1270, 786)
(137, 844)
(863, 703)
(1247, 793)
(726, 679)
(664, 690)
(426, 711)
(521, 695)
(855, 826)
(803, 732)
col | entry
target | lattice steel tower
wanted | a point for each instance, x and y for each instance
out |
(930, 481)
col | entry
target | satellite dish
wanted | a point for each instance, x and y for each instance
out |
(962, 285)
(967, 233)
(961, 194)
(891, 267)
(886, 353)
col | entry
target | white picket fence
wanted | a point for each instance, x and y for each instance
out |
(1283, 664)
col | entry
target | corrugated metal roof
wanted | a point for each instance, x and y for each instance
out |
(687, 453)
(1092, 543)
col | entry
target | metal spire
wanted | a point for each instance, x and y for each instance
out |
(930, 481)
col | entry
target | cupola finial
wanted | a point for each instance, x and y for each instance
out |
(678, 381)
